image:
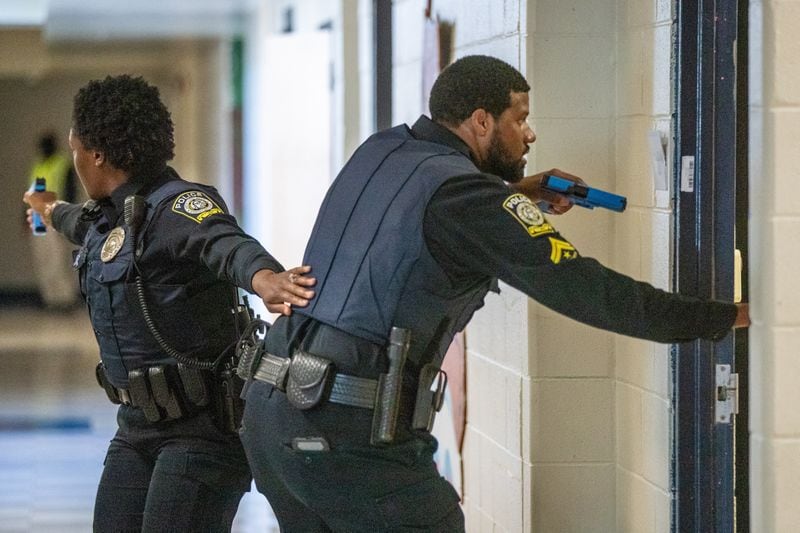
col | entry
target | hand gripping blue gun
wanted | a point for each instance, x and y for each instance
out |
(583, 195)
(39, 185)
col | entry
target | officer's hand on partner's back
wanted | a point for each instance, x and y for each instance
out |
(531, 186)
(283, 290)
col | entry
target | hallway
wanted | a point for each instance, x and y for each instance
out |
(55, 424)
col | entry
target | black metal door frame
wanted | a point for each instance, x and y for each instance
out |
(705, 128)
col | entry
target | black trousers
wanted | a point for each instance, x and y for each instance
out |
(177, 476)
(352, 487)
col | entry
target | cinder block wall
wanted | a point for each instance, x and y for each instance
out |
(568, 426)
(642, 250)
(774, 246)
(569, 466)
(600, 417)
(497, 487)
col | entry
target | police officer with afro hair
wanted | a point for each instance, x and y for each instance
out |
(159, 262)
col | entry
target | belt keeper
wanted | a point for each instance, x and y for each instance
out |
(124, 397)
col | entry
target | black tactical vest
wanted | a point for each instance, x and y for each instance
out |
(368, 251)
(199, 325)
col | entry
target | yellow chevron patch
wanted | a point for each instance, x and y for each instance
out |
(561, 250)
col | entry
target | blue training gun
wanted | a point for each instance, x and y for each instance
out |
(38, 185)
(583, 195)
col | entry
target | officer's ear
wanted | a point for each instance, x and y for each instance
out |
(481, 122)
(99, 158)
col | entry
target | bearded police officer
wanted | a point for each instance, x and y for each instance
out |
(413, 233)
(159, 261)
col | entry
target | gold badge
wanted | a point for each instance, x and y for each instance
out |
(113, 244)
(526, 213)
(561, 250)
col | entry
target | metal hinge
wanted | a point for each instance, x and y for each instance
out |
(727, 395)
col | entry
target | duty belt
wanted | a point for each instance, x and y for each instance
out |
(345, 389)
(308, 380)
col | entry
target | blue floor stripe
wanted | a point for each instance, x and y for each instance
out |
(39, 424)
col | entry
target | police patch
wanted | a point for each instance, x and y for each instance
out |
(527, 214)
(561, 250)
(196, 205)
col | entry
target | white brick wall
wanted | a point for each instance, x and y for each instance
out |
(642, 250)
(774, 251)
(568, 426)
(497, 484)
(571, 62)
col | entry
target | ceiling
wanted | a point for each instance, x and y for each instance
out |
(115, 19)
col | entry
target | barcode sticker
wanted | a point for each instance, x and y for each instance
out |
(687, 173)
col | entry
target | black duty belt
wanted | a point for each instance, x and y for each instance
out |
(304, 372)
(307, 380)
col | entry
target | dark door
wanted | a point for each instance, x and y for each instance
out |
(708, 174)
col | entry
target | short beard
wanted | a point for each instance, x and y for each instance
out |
(500, 163)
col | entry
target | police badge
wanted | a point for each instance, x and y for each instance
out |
(196, 205)
(113, 244)
(526, 213)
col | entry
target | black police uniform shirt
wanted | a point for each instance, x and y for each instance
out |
(197, 254)
(476, 226)
(188, 249)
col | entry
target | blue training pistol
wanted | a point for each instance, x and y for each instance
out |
(585, 196)
(38, 227)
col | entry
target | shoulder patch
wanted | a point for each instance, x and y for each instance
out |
(526, 213)
(196, 205)
(560, 249)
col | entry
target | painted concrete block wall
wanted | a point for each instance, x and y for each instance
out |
(774, 251)
(571, 58)
(642, 250)
(497, 483)
(568, 426)
(543, 391)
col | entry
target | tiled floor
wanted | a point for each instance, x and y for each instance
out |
(55, 424)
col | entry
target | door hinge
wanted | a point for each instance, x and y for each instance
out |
(727, 395)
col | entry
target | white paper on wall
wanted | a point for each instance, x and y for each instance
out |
(658, 163)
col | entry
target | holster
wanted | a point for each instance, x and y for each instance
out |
(430, 397)
(390, 388)
(102, 380)
(250, 348)
(229, 406)
(195, 385)
(309, 380)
